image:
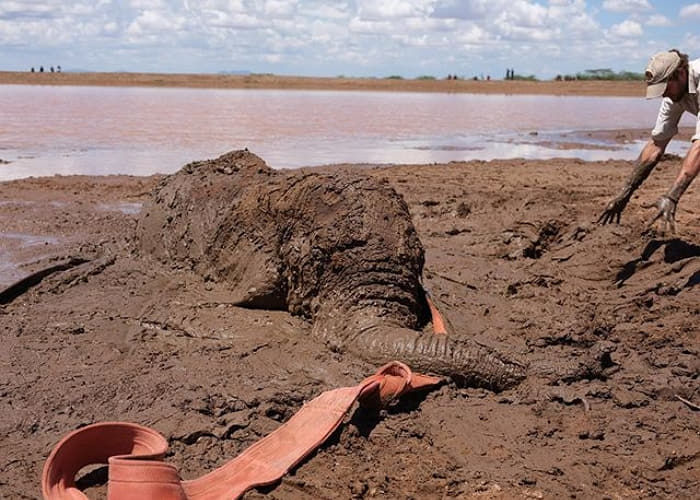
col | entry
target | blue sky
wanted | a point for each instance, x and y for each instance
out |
(345, 37)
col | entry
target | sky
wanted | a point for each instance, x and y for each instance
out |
(354, 38)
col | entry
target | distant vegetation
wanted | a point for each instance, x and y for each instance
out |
(425, 77)
(603, 74)
(530, 78)
(394, 77)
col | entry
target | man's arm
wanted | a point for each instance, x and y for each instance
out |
(666, 205)
(648, 158)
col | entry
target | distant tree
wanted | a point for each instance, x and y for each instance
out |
(531, 78)
(32, 69)
(41, 69)
(51, 69)
(59, 68)
(605, 74)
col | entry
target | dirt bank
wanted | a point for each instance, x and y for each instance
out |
(583, 88)
(516, 263)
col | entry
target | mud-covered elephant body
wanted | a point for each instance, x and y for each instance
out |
(339, 249)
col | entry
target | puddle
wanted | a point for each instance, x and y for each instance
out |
(26, 240)
(4, 203)
(15, 249)
(9, 272)
(125, 207)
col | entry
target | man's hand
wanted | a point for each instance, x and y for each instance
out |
(646, 162)
(666, 211)
(614, 210)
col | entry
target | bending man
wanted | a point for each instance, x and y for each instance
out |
(669, 75)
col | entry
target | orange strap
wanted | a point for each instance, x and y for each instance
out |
(439, 327)
(135, 453)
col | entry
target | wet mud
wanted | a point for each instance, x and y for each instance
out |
(509, 251)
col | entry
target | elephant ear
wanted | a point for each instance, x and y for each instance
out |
(244, 252)
(252, 276)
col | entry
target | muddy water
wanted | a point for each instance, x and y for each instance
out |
(93, 130)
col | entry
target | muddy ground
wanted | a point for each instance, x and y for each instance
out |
(515, 261)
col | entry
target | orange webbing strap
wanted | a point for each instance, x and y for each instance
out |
(439, 327)
(135, 453)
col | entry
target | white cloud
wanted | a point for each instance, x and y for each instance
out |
(272, 58)
(147, 4)
(361, 26)
(280, 8)
(151, 22)
(691, 43)
(330, 11)
(524, 15)
(110, 28)
(335, 36)
(393, 9)
(691, 11)
(472, 10)
(627, 29)
(473, 36)
(24, 9)
(626, 5)
(657, 20)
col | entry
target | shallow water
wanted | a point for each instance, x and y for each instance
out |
(49, 130)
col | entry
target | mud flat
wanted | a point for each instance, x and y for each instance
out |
(267, 81)
(512, 256)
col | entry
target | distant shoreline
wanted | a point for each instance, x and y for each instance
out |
(265, 81)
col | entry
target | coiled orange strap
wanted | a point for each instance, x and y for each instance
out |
(135, 453)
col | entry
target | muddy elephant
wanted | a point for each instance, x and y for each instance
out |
(339, 249)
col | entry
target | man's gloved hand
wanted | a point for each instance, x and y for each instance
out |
(614, 210)
(666, 211)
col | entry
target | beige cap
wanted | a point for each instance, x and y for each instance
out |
(661, 66)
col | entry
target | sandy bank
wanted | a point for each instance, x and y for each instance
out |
(577, 88)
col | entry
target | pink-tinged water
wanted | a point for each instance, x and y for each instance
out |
(102, 130)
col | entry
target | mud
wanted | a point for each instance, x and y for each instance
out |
(511, 255)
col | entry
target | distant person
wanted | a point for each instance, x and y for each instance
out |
(58, 68)
(669, 75)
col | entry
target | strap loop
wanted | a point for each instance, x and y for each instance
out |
(135, 453)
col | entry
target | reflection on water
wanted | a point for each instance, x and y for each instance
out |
(97, 130)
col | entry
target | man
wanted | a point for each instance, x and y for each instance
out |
(671, 75)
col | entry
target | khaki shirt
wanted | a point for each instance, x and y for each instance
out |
(670, 112)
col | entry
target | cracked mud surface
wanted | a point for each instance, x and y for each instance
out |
(515, 263)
